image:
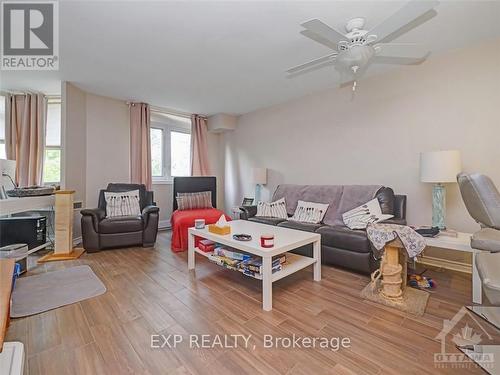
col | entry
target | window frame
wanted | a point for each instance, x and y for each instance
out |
(60, 148)
(163, 130)
(166, 178)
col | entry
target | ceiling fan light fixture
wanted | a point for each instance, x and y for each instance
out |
(356, 56)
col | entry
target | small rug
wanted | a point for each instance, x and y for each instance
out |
(50, 290)
(414, 301)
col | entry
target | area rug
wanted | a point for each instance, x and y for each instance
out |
(414, 301)
(47, 291)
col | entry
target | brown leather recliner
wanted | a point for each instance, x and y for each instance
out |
(100, 232)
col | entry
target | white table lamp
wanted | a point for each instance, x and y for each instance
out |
(259, 179)
(439, 167)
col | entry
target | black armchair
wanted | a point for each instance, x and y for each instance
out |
(100, 232)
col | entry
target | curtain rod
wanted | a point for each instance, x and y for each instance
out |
(169, 111)
(166, 111)
(6, 92)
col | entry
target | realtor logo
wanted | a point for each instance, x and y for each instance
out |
(466, 336)
(30, 39)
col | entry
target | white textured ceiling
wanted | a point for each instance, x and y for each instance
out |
(209, 57)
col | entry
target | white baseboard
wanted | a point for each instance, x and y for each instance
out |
(164, 224)
(446, 264)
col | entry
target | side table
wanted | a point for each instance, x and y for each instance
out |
(460, 243)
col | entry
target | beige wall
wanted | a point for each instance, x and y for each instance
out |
(108, 144)
(216, 158)
(96, 142)
(74, 135)
(452, 101)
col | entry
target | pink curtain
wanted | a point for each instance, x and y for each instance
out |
(200, 165)
(140, 144)
(25, 123)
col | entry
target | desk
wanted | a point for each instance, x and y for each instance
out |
(459, 243)
(15, 205)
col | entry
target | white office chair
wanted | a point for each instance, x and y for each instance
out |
(482, 200)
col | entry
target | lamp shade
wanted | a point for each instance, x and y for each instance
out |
(260, 176)
(440, 166)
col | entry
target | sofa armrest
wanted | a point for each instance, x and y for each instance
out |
(151, 218)
(247, 212)
(97, 214)
(149, 211)
(400, 207)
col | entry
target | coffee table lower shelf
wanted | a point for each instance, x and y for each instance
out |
(294, 263)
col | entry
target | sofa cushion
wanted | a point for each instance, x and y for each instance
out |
(121, 224)
(307, 227)
(266, 220)
(344, 238)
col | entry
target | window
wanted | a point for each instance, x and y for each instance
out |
(170, 146)
(3, 155)
(180, 153)
(157, 152)
(52, 159)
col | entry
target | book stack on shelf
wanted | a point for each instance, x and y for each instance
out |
(247, 264)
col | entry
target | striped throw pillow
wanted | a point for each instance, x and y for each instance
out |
(273, 209)
(360, 217)
(309, 212)
(122, 204)
(192, 201)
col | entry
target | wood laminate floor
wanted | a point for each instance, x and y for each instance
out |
(149, 291)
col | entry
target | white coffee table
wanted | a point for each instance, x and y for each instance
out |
(285, 239)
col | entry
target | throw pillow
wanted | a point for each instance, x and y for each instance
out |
(360, 217)
(309, 212)
(122, 204)
(192, 201)
(273, 209)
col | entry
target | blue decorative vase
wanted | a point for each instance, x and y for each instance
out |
(258, 188)
(438, 206)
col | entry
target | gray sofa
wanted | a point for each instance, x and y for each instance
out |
(340, 245)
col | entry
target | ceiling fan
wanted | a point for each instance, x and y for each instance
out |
(356, 50)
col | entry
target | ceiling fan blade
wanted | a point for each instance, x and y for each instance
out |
(409, 13)
(411, 25)
(406, 50)
(319, 39)
(324, 31)
(312, 64)
(399, 60)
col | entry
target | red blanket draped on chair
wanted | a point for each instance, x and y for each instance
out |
(183, 220)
